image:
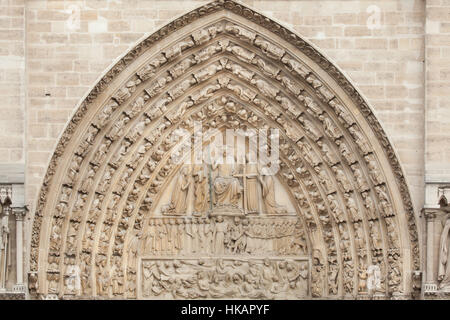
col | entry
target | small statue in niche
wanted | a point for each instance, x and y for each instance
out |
(178, 203)
(268, 192)
(444, 257)
(201, 189)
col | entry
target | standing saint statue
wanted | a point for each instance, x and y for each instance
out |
(252, 185)
(268, 194)
(180, 191)
(227, 188)
(201, 189)
(4, 244)
(136, 246)
(444, 257)
(220, 228)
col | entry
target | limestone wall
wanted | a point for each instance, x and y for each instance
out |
(437, 147)
(379, 44)
(12, 90)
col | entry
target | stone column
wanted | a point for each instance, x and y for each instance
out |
(5, 246)
(430, 286)
(19, 214)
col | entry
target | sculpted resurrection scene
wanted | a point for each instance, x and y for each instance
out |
(225, 157)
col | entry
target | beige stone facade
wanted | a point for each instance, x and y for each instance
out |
(395, 53)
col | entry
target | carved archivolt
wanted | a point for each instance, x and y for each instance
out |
(225, 66)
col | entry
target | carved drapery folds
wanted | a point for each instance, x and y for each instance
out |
(238, 70)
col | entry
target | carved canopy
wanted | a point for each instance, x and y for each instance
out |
(336, 162)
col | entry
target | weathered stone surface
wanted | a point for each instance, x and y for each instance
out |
(344, 179)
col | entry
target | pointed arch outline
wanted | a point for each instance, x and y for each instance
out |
(269, 27)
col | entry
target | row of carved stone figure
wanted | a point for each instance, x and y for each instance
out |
(348, 262)
(221, 235)
(119, 126)
(226, 188)
(224, 278)
(91, 174)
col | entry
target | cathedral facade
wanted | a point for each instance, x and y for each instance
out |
(223, 153)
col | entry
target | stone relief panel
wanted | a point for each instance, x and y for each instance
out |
(222, 278)
(224, 74)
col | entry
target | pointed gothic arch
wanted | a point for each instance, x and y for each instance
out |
(113, 161)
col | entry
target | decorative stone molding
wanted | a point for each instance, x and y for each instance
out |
(233, 68)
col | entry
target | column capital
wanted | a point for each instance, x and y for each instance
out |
(431, 213)
(19, 212)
